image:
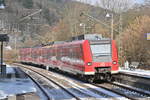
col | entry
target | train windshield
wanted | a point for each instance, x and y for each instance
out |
(101, 52)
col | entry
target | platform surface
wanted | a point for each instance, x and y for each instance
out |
(139, 72)
(13, 86)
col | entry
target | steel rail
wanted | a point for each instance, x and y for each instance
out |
(133, 75)
(39, 86)
(121, 94)
(107, 88)
(131, 89)
(130, 79)
(41, 74)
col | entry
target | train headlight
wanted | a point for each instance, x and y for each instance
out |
(114, 62)
(89, 63)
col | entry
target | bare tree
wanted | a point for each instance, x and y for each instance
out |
(134, 43)
(147, 1)
(117, 6)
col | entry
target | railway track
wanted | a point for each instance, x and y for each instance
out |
(115, 88)
(42, 76)
(77, 87)
(136, 81)
(89, 94)
(128, 92)
(45, 93)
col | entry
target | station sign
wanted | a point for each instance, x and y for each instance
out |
(4, 38)
(2, 4)
(148, 36)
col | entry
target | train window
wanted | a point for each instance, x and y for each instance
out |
(101, 49)
(79, 52)
(34, 53)
(67, 52)
(59, 53)
(76, 51)
(44, 52)
(62, 52)
(74, 54)
(49, 52)
(70, 52)
(53, 52)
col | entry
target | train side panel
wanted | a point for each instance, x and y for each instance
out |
(88, 67)
(70, 58)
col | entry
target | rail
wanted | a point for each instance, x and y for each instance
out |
(41, 74)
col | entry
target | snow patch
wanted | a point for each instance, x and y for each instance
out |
(13, 86)
(138, 72)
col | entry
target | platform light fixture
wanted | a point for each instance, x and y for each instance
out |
(112, 24)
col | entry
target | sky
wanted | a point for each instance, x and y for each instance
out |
(98, 3)
(139, 1)
(94, 1)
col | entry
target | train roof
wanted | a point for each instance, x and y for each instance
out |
(89, 37)
(66, 43)
(76, 40)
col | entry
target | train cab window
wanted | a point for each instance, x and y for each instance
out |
(101, 49)
(101, 52)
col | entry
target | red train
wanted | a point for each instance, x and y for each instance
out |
(89, 56)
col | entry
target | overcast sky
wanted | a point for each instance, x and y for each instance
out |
(94, 1)
(97, 3)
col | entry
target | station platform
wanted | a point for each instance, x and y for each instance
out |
(16, 86)
(137, 72)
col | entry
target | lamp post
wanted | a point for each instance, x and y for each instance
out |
(84, 27)
(112, 24)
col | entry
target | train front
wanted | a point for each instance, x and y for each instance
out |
(101, 59)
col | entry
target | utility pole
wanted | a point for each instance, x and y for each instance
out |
(120, 41)
(84, 27)
(112, 26)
